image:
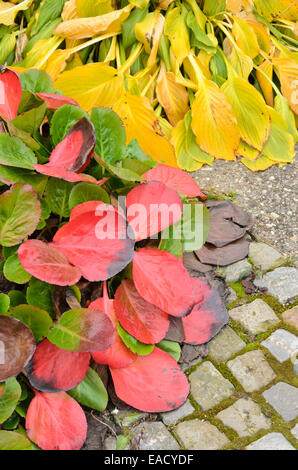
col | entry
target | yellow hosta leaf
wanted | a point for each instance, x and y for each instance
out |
(242, 63)
(172, 96)
(80, 28)
(57, 63)
(234, 6)
(265, 85)
(191, 145)
(214, 122)
(164, 4)
(272, 9)
(87, 8)
(260, 164)
(40, 53)
(139, 3)
(191, 64)
(141, 123)
(250, 110)
(149, 32)
(261, 32)
(245, 37)
(177, 32)
(166, 127)
(69, 11)
(245, 150)
(8, 11)
(91, 85)
(74, 62)
(281, 105)
(184, 159)
(288, 76)
(280, 144)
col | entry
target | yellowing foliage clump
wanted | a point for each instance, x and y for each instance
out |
(192, 80)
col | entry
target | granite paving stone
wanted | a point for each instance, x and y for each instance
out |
(208, 386)
(200, 435)
(255, 317)
(264, 256)
(251, 370)
(152, 436)
(291, 316)
(236, 271)
(284, 399)
(225, 344)
(172, 417)
(245, 417)
(282, 283)
(272, 441)
(281, 344)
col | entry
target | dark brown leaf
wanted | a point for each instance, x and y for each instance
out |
(17, 345)
(225, 255)
(193, 265)
(228, 222)
(175, 331)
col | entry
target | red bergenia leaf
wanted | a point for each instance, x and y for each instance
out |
(153, 383)
(55, 421)
(175, 179)
(205, 320)
(67, 175)
(47, 263)
(152, 207)
(73, 153)
(55, 101)
(144, 321)
(17, 343)
(162, 280)
(10, 94)
(97, 243)
(118, 355)
(52, 369)
(201, 290)
(92, 206)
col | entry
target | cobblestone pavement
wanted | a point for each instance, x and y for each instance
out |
(244, 394)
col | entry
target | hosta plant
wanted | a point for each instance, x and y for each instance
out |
(193, 80)
(92, 233)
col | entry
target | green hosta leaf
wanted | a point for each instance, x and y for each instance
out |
(45, 33)
(83, 192)
(40, 294)
(212, 8)
(4, 303)
(31, 120)
(91, 392)
(199, 38)
(49, 10)
(63, 119)
(16, 298)
(38, 320)
(171, 347)
(133, 344)
(110, 135)
(9, 174)
(19, 214)
(13, 152)
(14, 271)
(9, 399)
(57, 196)
(10, 440)
(7, 45)
(136, 166)
(281, 105)
(36, 81)
(128, 26)
(134, 151)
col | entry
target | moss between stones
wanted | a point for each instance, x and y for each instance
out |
(284, 373)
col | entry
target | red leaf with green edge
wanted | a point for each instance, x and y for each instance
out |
(153, 383)
(17, 345)
(162, 280)
(55, 421)
(118, 355)
(97, 243)
(152, 207)
(73, 153)
(10, 94)
(52, 369)
(67, 175)
(83, 330)
(174, 178)
(206, 319)
(146, 322)
(47, 263)
(55, 101)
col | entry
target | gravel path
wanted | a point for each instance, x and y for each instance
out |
(270, 196)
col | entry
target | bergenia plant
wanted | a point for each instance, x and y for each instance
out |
(86, 212)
